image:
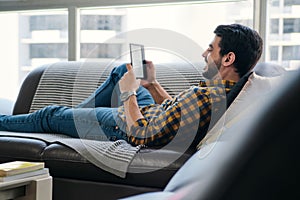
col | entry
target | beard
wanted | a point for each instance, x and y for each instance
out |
(212, 69)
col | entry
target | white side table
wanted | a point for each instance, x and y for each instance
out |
(31, 188)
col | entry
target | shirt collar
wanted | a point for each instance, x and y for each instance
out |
(217, 83)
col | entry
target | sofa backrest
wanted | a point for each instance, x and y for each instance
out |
(27, 91)
(69, 83)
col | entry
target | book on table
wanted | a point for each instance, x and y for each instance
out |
(19, 167)
(38, 172)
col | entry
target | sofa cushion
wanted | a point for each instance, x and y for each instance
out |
(13, 148)
(65, 163)
(269, 69)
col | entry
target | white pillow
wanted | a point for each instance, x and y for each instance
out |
(255, 88)
(254, 91)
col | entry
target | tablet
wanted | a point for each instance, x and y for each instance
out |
(137, 55)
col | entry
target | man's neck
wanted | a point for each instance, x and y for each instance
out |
(229, 73)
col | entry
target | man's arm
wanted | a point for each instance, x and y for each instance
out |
(129, 83)
(158, 93)
(132, 111)
(162, 128)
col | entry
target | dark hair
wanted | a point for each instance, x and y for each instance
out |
(244, 42)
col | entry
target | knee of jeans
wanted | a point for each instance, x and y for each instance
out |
(48, 109)
(120, 70)
(51, 110)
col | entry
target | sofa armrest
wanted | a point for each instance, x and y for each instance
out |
(27, 91)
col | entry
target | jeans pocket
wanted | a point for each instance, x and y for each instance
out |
(114, 133)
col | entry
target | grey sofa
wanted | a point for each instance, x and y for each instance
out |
(68, 83)
(226, 167)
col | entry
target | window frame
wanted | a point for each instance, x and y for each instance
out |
(14, 5)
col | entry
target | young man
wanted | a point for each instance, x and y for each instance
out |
(233, 52)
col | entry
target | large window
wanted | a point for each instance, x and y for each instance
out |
(33, 38)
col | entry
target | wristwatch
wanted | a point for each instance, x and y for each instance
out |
(125, 95)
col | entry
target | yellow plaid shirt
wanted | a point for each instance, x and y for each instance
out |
(188, 113)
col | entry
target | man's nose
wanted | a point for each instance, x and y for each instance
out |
(204, 55)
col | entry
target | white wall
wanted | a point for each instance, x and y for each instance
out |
(8, 61)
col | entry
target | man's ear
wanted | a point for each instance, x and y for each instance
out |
(228, 59)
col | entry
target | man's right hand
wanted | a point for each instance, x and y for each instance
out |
(158, 93)
(151, 75)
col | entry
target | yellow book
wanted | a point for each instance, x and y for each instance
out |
(35, 173)
(19, 167)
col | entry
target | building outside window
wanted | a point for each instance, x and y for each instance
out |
(291, 52)
(30, 39)
(190, 20)
(274, 28)
(291, 2)
(96, 26)
(284, 33)
(273, 53)
(291, 25)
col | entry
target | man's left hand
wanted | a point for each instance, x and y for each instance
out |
(129, 82)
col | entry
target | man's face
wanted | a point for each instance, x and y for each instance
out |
(212, 58)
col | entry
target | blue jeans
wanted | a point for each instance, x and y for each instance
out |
(95, 118)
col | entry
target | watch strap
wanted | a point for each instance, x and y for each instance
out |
(125, 95)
